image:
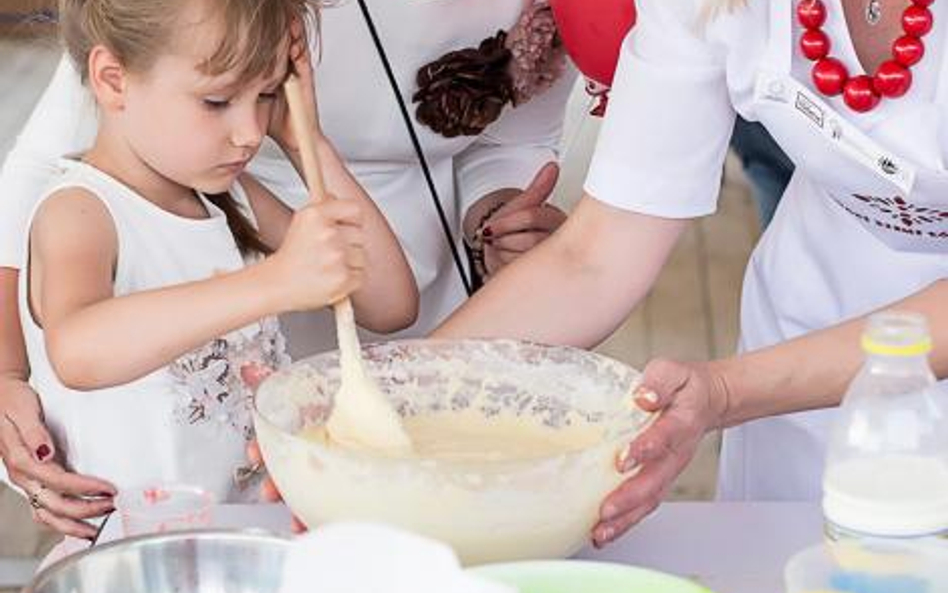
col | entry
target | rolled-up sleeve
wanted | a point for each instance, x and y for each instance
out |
(663, 144)
(63, 122)
(511, 151)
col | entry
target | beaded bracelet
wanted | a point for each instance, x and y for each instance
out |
(476, 243)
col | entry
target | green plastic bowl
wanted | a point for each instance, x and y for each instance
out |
(576, 576)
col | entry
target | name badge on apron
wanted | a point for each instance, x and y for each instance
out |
(806, 115)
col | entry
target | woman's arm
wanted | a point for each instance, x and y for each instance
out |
(63, 121)
(26, 448)
(808, 372)
(506, 176)
(73, 250)
(814, 370)
(14, 366)
(577, 286)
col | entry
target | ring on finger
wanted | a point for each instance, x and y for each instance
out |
(34, 498)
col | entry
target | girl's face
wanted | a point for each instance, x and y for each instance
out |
(196, 130)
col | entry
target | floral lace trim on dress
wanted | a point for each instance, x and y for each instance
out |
(211, 380)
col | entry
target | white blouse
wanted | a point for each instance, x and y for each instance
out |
(680, 82)
(863, 223)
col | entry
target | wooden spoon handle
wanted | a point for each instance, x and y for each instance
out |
(301, 116)
(302, 119)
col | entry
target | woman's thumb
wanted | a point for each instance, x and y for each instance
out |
(539, 190)
(661, 380)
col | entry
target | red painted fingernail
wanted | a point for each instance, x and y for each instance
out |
(42, 452)
(487, 232)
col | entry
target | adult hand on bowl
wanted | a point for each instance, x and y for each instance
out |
(692, 399)
(268, 490)
(253, 375)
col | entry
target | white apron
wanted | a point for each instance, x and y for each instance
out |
(863, 223)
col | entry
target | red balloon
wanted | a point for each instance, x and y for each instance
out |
(592, 31)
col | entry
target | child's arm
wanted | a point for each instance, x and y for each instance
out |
(95, 339)
(388, 299)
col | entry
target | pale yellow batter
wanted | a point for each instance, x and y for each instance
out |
(471, 437)
(494, 488)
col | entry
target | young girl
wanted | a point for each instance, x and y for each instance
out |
(155, 267)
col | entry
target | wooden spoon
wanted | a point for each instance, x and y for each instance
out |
(361, 416)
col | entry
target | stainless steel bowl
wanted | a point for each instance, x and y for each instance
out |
(186, 562)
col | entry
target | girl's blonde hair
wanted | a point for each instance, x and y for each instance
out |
(252, 32)
(252, 35)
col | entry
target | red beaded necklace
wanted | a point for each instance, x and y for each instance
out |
(893, 78)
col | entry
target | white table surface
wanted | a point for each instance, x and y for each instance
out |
(728, 547)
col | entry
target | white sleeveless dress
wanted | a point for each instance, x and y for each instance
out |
(188, 422)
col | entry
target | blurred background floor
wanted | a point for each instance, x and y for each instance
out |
(691, 313)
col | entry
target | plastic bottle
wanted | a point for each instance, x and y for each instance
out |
(885, 489)
(887, 464)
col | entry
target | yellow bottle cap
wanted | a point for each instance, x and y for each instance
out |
(897, 333)
(918, 348)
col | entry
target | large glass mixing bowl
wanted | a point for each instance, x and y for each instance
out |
(493, 511)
